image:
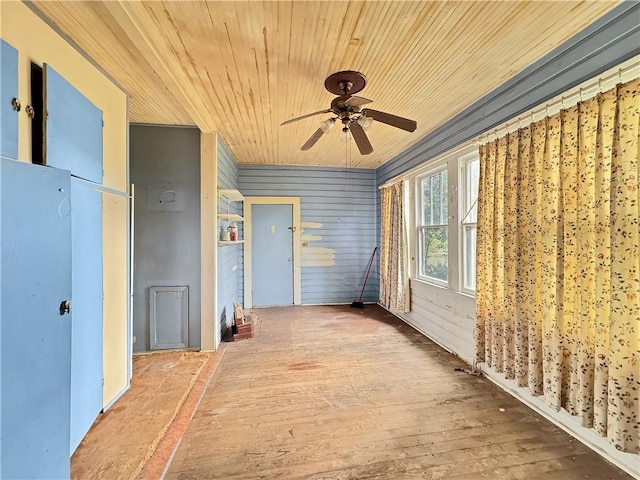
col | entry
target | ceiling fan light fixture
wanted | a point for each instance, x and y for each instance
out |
(365, 122)
(327, 125)
(346, 135)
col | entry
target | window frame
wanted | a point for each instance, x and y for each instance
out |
(463, 161)
(453, 162)
(436, 169)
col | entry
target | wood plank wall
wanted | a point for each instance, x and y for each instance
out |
(230, 280)
(338, 215)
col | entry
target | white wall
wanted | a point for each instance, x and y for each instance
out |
(445, 316)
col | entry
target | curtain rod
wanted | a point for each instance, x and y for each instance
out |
(621, 73)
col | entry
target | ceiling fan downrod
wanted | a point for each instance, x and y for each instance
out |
(345, 86)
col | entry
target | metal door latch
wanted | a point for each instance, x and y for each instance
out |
(65, 307)
(15, 104)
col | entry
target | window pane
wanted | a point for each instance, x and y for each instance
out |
(426, 201)
(434, 199)
(435, 260)
(435, 194)
(443, 197)
(470, 257)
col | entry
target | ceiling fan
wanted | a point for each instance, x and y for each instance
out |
(347, 109)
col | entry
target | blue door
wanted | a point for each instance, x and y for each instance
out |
(73, 130)
(8, 91)
(272, 255)
(35, 346)
(86, 315)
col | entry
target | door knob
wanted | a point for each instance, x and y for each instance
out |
(65, 307)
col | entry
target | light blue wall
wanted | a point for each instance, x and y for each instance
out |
(343, 202)
(230, 258)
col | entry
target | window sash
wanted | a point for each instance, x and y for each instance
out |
(469, 256)
(434, 265)
(438, 207)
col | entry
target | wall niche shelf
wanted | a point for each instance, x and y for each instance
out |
(227, 218)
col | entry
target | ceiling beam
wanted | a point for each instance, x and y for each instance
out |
(178, 85)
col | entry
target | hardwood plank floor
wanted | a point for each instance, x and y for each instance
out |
(340, 393)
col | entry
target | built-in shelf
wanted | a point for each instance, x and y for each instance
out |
(229, 242)
(231, 217)
(228, 218)
(231, 194)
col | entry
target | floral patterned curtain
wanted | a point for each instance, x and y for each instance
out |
(558, 294)
(394, 279)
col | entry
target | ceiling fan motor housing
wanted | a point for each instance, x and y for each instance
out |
(340, 107)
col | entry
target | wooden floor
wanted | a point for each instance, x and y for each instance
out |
(123, 439)
(341, 393)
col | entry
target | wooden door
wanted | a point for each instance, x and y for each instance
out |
(73, 129)
(35, 346)
(8, 91)
(272, 255)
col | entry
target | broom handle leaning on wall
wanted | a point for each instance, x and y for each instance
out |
(366, 277)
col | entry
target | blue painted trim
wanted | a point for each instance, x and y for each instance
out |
(609, 41)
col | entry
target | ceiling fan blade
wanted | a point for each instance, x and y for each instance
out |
(360, 138)
(354, 101)
(312, 140)
(393, 120)
(305, 116)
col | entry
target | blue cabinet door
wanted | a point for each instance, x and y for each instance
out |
(35, 335)
(86, 315)
(8, 91)
(272, 255)
(73, 129)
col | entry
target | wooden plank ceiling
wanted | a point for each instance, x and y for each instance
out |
(242, 68)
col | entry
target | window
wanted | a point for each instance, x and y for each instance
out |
(444, 245)
(433, 231)
(470, 168)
